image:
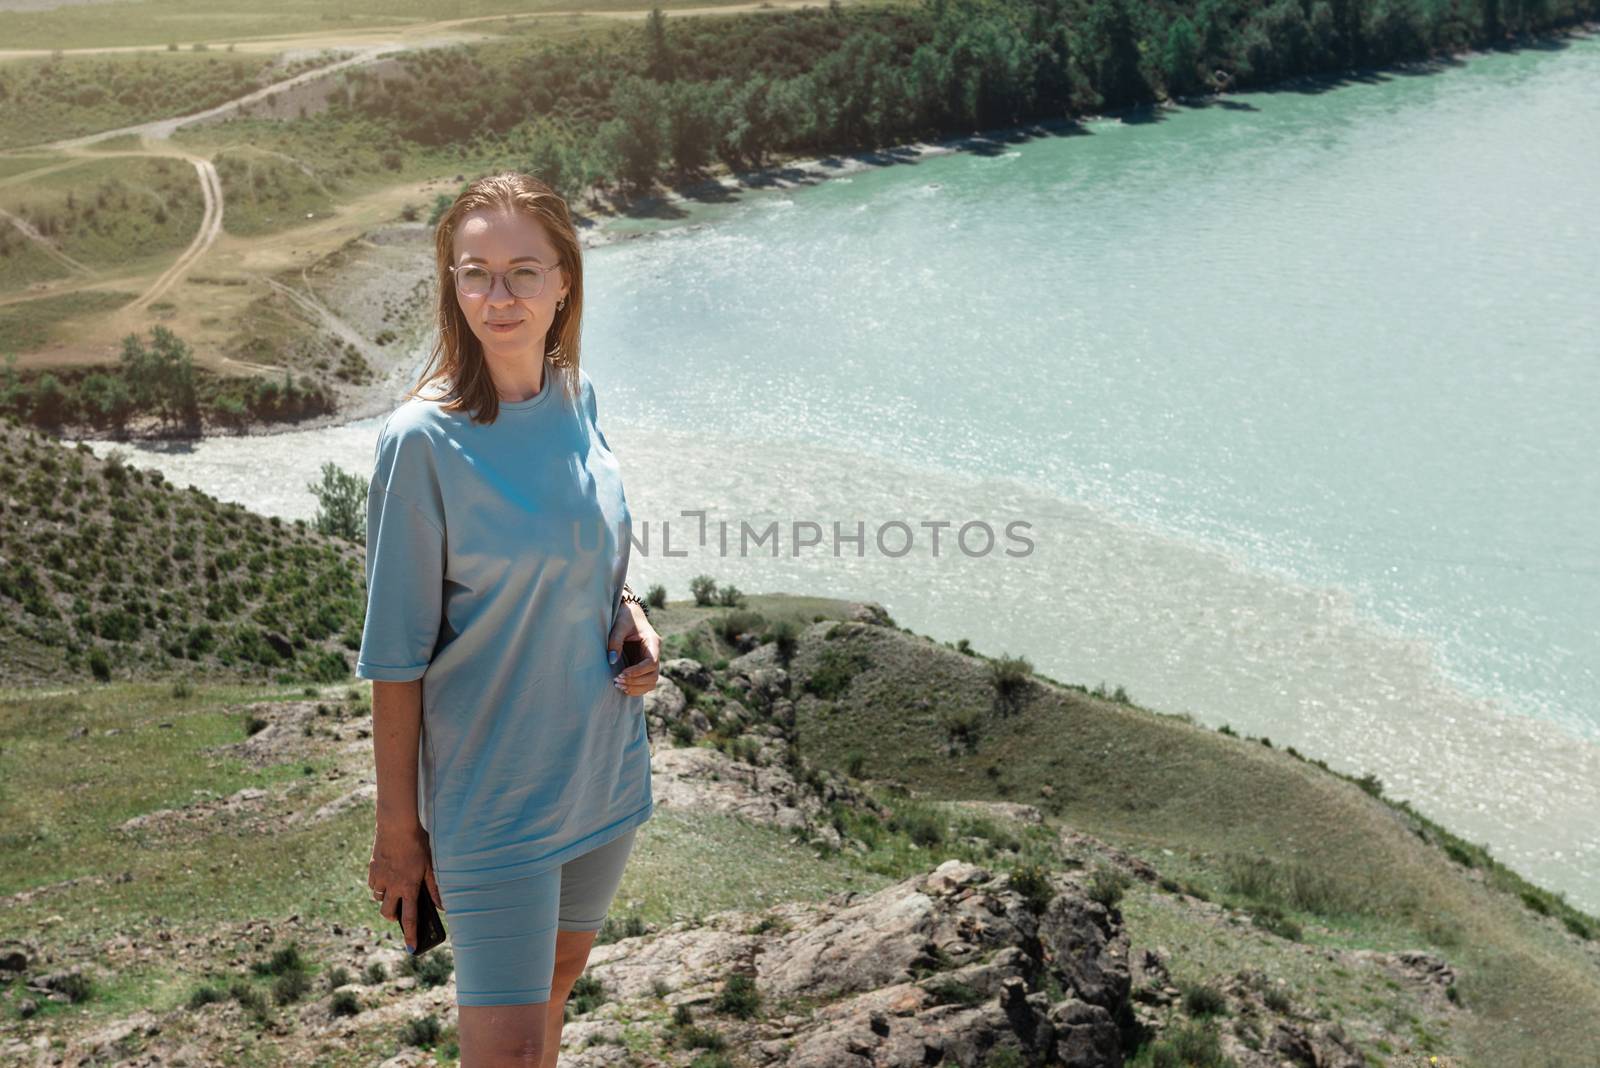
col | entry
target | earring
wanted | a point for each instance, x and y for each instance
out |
(562, 303)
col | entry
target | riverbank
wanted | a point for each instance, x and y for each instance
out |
(409, 269)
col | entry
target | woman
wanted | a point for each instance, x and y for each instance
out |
(497, 544)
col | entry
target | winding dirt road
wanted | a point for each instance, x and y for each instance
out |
(154, 136)
(210, 227)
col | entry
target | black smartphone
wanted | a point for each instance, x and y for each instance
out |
(633, 651)
(430, 928)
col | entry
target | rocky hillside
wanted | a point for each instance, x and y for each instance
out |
(780, 910)
(870, 848)
(109, 572)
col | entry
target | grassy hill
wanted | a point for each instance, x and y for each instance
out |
(1311, 855)
(107, 571)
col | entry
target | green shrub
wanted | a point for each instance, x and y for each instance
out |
(205, 994)
(1192, 1044)
(1032, 882)
(692, 645)
(835, 670)
(341, 503)
(711, 1059)
(1106, 884)
(283, 961)
(949, 991)
(704, 588)
(1288, 884)
(290, 987)
(251, 999)
(922, 825)
(433, 968)
(786, 635)
(421, 1031)
(587, 994)
(1277, 1000)
(1009, 675)
(1272, 918)
(732, 624)
(1203, 999)
(693, 1036)
(739, 997)
(963, 726)
(76, 985)
(614, 930)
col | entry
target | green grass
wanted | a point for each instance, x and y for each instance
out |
(347, 157)
(264, 193)
(30, 325)
(125, 212)
(24, 162)
(692, 863)
(50, 99)
(61, 826)
(23, 263)
(1250, 824)
(1202, 950)
(157, 22)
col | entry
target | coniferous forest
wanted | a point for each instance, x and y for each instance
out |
(661, 102)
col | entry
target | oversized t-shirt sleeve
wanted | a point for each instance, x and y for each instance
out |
(405, 560)
(589, 407)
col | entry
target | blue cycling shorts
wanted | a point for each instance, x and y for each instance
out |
(503, 934)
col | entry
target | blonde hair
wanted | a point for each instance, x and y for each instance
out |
(457, 359)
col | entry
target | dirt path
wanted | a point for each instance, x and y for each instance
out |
(210, 226)
(25, 228)
(324, 316)
(161, 129)
(370, 45)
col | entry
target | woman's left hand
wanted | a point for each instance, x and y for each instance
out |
(631, 623)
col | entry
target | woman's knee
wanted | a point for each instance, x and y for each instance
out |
(503, 1036)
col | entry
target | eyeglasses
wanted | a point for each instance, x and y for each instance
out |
(525, 282)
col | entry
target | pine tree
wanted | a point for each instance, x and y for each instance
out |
(660, 63)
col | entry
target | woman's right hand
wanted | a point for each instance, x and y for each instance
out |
(402, 860)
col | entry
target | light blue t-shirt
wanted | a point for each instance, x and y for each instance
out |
(495, 560)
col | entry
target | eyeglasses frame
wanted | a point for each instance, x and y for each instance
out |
(544, 279)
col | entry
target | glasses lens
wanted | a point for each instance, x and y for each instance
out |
(525, 282)
(472, 281)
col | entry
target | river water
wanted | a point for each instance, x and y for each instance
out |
(1297, 394)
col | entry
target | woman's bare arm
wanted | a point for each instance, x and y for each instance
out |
(396, 732)
(402, 856)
